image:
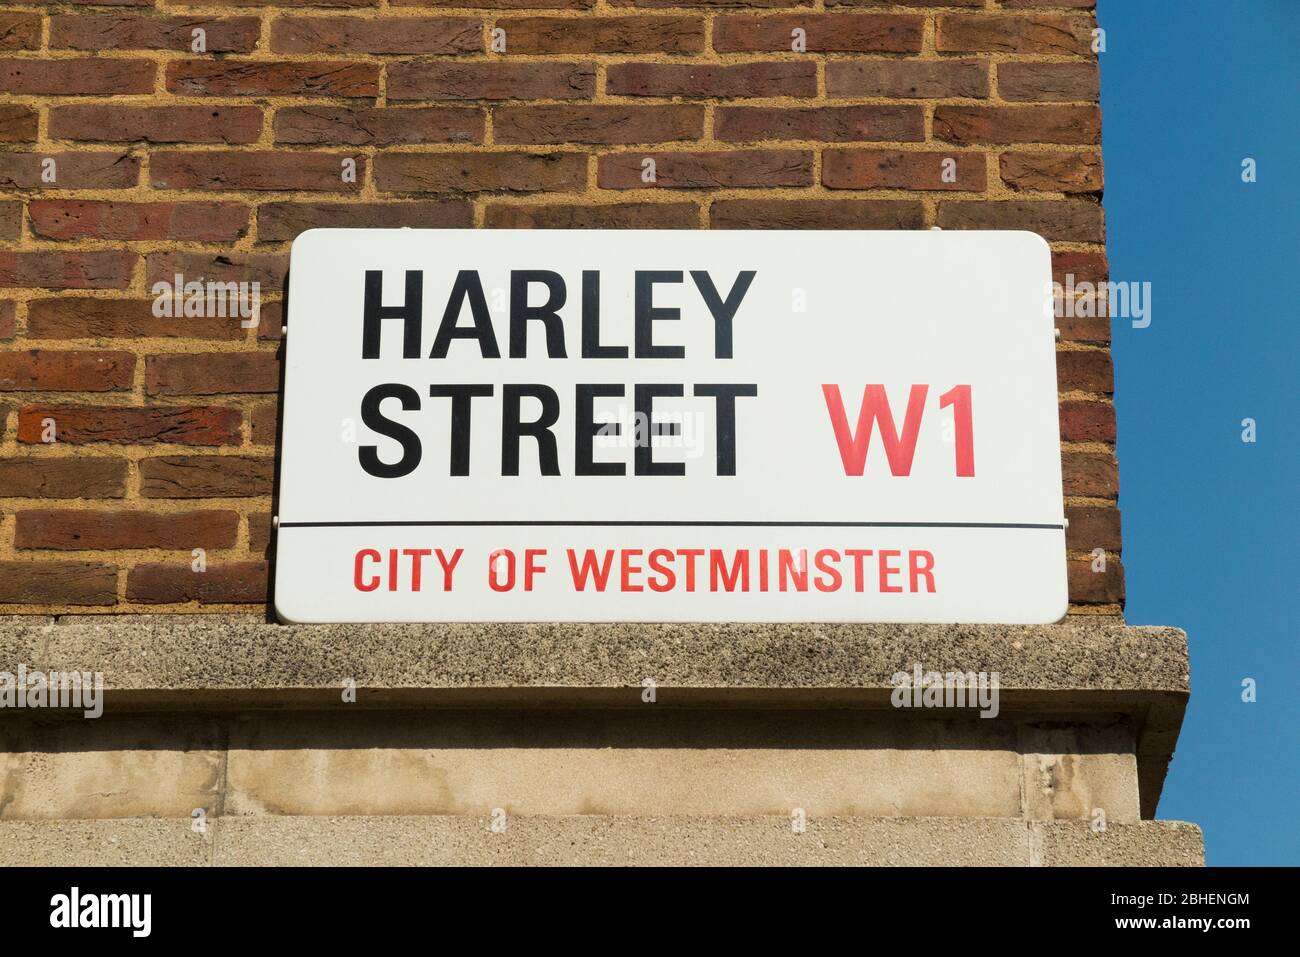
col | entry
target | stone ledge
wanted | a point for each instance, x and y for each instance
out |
(596, 840)
(210, 662)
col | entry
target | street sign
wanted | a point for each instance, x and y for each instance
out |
(601, 425)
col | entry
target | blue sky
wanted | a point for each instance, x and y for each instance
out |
(1190, 88)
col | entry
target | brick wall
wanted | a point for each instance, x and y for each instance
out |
(126, 157)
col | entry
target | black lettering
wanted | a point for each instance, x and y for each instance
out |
(513, 429)
(375, 421)
(460, 396)
(467, 285)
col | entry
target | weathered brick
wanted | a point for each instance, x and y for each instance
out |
(273, 78)
(18, 123)
(1092, 267)
(1048, 81)
(894, 169)
(45, 476)
(256, 170)
(55, 370)
(596, 124)
(442, 80)
(11, 220)
(69, 171)
(173, 425)
(709, 170)
(422, 35)
(111, 123)
(8, 319)
(222, 582)
(1092, 526)
(1086, 420)
(829, 124)
(206, 476)
(58, 583)
(212, 373)
(281, 222)
(1089, 587)
(265, 269)
(96, 219)
(127, 31)
(265, 424)
(477, 172)
(329, 125)
(1003, 33)
(82, 317)
(20, 31)
(499, 4)
(47, 269)
(259, 533)
(1090, 370)
(907, 78)
(825, 32)
(1064, 220)
(1090, 474)
(1074, 125)
(1071, 172)
(79, 76)
(96, 529)
(601, 34)
(817, 214)
(593, 216)
(709, 80)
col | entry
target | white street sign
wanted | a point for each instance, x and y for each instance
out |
(582, 425)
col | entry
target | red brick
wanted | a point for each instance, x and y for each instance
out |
(111, 123)
(254, 170)
(908, 78)
(477, 172)
(82, 317)
(173, 425)
(11, 221)
(417, 35)
(53, 370)
(133, 32)
(58, 583)
(270, 321)
(817, 214)
(1088, 587)
(1065, 220)
(49, 269)
(1071, 172)
(17, 123)
(273, 78)
(709, 80)
(97, 529)
(259, 533)
(70, 171)
(1092, 526)
(331, 125)
(1086, 420)
(893, 169)
(1090, 267)
(1048, 81)
(212, 373)
(1079, 370)
(592, 33)
(206, 476)
(1003, 33)
(1090, 474)
(499, 4)
(825, 32)
(265, 269)
(1075, 125)
(442, 80)
(281, 222)
(45, 476)
(711, 170)
(589, 215)
(20, 31)
(223, 582)
(596, 124)
(94, 219)
(80, 76)
(830, 124)
(8, 320)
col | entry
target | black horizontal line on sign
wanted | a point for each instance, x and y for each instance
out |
(671, 524)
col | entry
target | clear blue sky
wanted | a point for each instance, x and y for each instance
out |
(1190, 88)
